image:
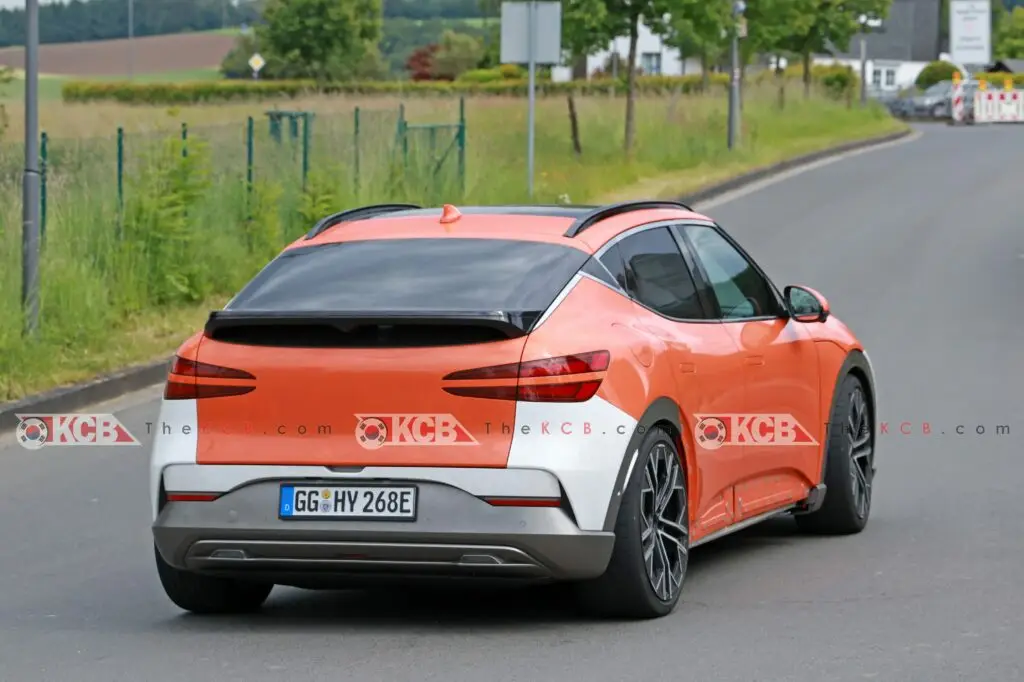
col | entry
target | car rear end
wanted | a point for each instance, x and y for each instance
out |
(352, 412)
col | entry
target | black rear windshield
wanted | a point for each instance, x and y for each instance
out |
(452, 275)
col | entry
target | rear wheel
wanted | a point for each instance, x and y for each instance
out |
(206, 594)
(652, 538)
(849, 465)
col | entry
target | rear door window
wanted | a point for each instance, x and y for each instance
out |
(658, 276)
(414, 275)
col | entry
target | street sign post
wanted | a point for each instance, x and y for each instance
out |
(31, 180)
(531, 34)
(256, 62)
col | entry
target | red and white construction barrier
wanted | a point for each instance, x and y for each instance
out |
(999, 107)
(958, 102)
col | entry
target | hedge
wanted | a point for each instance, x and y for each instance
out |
(221, 91)
(503, 81)
(995, 80)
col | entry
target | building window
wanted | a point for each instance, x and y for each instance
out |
(876, 77)
(650, 63)
(890, 78)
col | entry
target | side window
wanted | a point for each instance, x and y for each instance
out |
(741, 291)
(612, 259)
(657, 275)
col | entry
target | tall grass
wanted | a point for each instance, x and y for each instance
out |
(125, 282)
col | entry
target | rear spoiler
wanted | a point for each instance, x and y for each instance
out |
(510, 324)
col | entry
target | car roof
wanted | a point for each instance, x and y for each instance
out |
(516, 222)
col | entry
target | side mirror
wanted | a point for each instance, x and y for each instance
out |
(806, 304)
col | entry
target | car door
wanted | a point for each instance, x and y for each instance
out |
(654, 273)
(777, 436)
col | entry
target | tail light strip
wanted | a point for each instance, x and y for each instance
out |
(565, 379)
(187, 380)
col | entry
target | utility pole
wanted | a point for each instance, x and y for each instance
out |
(738, 8)
(532, 65)
(31, 178)
(131, 39)
(863, 70)
(867, 24)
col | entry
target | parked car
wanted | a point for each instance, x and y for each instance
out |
(935, 102)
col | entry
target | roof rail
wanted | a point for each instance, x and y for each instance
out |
(611, 210)
(356, 214)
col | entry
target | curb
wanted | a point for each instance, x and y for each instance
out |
(111, 386)
(740, 181)
(70, 398)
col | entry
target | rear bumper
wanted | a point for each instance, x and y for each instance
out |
(455, 534)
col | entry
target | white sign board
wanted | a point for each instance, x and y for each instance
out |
(515, 32)
(256, 62)
(970, 31)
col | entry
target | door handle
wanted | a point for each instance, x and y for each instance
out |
(756, 360)
(687, 367)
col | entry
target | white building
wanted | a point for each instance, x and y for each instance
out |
(886, 75)
(653, 57)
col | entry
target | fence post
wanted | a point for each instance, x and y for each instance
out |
(462, 143)
(120, 181)
(250, 126)
(184, 139)
(404, 132)
(355, 144)
(305, 148)
(44, 153)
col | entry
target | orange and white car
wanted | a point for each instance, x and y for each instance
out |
(571, 394)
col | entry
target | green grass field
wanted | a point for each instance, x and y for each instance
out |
(126, 286)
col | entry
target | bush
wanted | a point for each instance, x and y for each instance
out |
(512, 71)
(498, 73)
(481, 76)
(128, 92)
(935, 72)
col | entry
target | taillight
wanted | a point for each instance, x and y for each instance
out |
(186, 381)
(565, 379)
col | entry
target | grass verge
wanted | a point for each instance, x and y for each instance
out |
(126, 275)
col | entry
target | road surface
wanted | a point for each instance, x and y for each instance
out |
(918, 246)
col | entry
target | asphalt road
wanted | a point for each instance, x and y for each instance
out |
(918, 246)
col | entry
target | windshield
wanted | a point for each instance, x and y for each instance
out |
(938, 89)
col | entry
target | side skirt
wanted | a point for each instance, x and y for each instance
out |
(746, 523)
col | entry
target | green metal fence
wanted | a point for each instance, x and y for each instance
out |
(369, 156)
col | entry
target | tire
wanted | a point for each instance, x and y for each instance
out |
(938, 111)
(630, 587)
(204, 594)
(849, 465)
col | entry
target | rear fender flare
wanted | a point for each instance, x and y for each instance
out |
(661, 410)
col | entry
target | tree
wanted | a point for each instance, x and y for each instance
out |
(823, 26)
(420, 64)
(1009, 43)
(457, 54)
(322, 36)
(701, 28)
(591, 24)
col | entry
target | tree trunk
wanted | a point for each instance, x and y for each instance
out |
(634, 35)
(574, 126)
(807, 74)
(705, 71)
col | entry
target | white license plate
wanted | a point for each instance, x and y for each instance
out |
(371, 503)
